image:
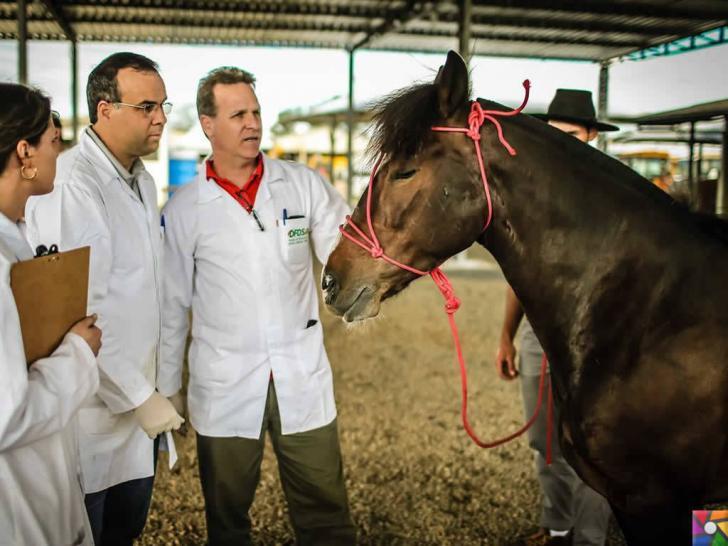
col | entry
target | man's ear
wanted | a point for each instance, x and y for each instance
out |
(206, 123)
(453, 84)
(591, 134)
(103, 110)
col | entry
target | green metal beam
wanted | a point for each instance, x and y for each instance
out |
(717, 36)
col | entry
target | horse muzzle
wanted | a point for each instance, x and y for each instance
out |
(352, 303)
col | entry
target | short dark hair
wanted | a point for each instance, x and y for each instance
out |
(56, 119)
(102, 83)
(24, 115)
(225, 75)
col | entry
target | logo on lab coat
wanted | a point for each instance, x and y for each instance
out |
(298, 236)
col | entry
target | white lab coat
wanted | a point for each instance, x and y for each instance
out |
(41, 502)
(252, 295)
(92, 205)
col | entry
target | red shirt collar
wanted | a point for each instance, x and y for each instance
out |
(245, 196)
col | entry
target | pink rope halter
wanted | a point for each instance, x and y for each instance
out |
(371, 244)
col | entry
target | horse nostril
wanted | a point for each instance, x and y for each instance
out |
(330, 287)
(328, 281)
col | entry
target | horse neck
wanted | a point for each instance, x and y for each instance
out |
(572, 243)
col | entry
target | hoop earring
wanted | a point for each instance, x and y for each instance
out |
(25, 176)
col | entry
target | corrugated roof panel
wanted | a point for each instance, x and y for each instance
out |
(576, 29)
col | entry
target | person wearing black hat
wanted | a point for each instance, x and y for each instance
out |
(572, 513)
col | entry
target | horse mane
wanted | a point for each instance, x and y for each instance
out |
(402, 121)
(620, 174)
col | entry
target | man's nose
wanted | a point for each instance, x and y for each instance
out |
(159, 117)
(252, 121)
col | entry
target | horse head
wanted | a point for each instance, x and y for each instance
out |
(427, 199)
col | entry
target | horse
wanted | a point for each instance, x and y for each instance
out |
(624, 288)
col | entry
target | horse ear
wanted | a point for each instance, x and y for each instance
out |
(453, 85)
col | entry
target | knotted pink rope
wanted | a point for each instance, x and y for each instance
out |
(371, 244)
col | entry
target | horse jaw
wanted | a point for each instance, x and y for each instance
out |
(365, 305)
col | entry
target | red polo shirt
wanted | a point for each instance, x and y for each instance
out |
(245, 195)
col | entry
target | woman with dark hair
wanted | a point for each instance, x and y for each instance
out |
(40, 496)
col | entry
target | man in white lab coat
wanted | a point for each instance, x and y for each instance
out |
(105, 198)
(238, 253)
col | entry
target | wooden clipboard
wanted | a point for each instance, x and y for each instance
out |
(51, 294)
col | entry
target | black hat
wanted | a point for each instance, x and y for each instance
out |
(575, 106)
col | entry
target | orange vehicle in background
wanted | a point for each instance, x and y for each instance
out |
(658, 167)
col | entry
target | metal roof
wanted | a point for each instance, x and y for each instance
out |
(699, 112)
(672, 136)
(569, 29)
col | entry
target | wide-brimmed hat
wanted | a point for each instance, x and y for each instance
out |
(575, 106)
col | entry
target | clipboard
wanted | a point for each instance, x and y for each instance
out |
(51, 294)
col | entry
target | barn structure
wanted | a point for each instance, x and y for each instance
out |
(596, 30)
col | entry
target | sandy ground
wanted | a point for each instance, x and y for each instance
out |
(414, 477)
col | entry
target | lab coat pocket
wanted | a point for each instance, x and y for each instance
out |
(294, 238)
(310, 349)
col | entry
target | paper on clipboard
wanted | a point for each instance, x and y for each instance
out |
(51, 296)
(166, 443)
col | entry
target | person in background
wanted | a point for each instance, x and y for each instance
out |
(238, 254)
(61, 145)
(40, 498)
(105, 198)
(571, 512)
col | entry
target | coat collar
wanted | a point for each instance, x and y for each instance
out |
(91, 151)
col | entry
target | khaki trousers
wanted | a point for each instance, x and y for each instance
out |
(311, 472)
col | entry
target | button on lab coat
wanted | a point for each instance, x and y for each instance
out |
(254, 301)
(41, 502)
(92, 205)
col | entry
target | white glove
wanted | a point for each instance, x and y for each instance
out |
(179, 401)
(157, 415)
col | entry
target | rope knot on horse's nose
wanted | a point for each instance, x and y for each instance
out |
(376, 252)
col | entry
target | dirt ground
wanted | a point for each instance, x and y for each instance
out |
(414, 477)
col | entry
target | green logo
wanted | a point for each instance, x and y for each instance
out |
(298, 232)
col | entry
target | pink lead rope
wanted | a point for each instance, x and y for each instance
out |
(371, 244)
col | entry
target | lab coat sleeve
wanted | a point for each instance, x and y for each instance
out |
(41, 401)
(328, 212)
(179, 265)
(83, 221)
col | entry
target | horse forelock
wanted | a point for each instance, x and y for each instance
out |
(403, 120)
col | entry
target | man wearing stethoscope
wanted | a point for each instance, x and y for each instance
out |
(238, 246)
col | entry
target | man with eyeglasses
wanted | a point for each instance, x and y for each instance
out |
(105, 198)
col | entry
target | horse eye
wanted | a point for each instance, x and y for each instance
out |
(403, 175)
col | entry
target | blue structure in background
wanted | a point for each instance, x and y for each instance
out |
(182, 169)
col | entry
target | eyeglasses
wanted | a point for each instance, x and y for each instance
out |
(148, 107)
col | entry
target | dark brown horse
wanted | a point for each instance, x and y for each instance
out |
(626, 290)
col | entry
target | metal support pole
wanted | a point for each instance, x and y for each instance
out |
(332, 137)
(723, 182)
(465, 15)
(691, 163)
(603, 105)
(74, 88)
(350, 132)
(699, 163)
(22, 42)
